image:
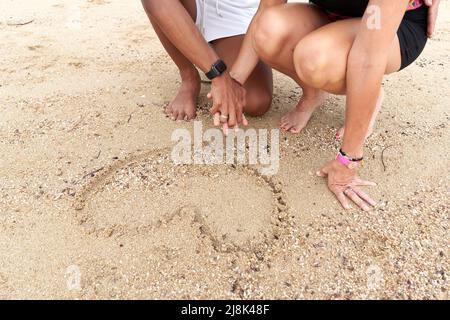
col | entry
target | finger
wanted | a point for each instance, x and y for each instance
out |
(215, 107)
(342, 199)
(432, 25)
(216, 119)
(236, 128)
(225, 129)
(232, 119)
(364, 183)
(365, 197)
(239, 116)
(430, 28)
(357, 200)
(428, 2)
(244, 120)
(432, 17)
(244, 102)
(223, 117)
(322, 172)
(209, 95)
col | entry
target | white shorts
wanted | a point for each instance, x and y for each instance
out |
(218, 19)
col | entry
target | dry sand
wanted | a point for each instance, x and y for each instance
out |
(85, 181)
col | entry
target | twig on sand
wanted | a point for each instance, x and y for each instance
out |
(92, 173)
(382, 157)
(18, 24)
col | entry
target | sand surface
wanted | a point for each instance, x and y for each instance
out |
(86, 183)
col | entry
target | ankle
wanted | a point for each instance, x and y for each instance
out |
(313, 95)
(189, 75)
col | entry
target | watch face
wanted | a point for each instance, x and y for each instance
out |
(217, 69)
(221, 67)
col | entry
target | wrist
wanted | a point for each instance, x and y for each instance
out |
(237, 77)
(347, 161)
(218, 68)
(224, 77)
(342, 153)
(352, 151)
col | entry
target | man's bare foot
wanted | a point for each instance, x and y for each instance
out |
(295, 120)
(184, 105)
(341, 131)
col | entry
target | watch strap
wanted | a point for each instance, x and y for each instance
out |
(217, 69)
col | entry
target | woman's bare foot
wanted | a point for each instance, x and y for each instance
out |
(295, 120)
(341, 131)
(184, 105)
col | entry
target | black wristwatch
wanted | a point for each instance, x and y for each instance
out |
(217, 69)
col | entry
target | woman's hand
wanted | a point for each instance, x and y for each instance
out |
(229, 99)
(344, 183)
(432, 15)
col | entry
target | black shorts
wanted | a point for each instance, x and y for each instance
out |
(412, 32)
(412, 35)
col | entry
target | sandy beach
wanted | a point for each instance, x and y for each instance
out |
(88, 190)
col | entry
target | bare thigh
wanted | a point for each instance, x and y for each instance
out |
(280, 29)
(321, 57)
(259, 86)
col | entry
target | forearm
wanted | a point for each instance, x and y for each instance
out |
(366, 65)
(248, 58)
(179, 28)
(364, 76)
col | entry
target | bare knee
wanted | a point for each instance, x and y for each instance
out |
(271, 33)
(310, 63)
(315, 65)
(258, 103)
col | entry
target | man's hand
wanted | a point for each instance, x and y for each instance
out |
(228, 98)
(432, 15)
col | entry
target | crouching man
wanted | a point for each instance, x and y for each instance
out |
(208, 34)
